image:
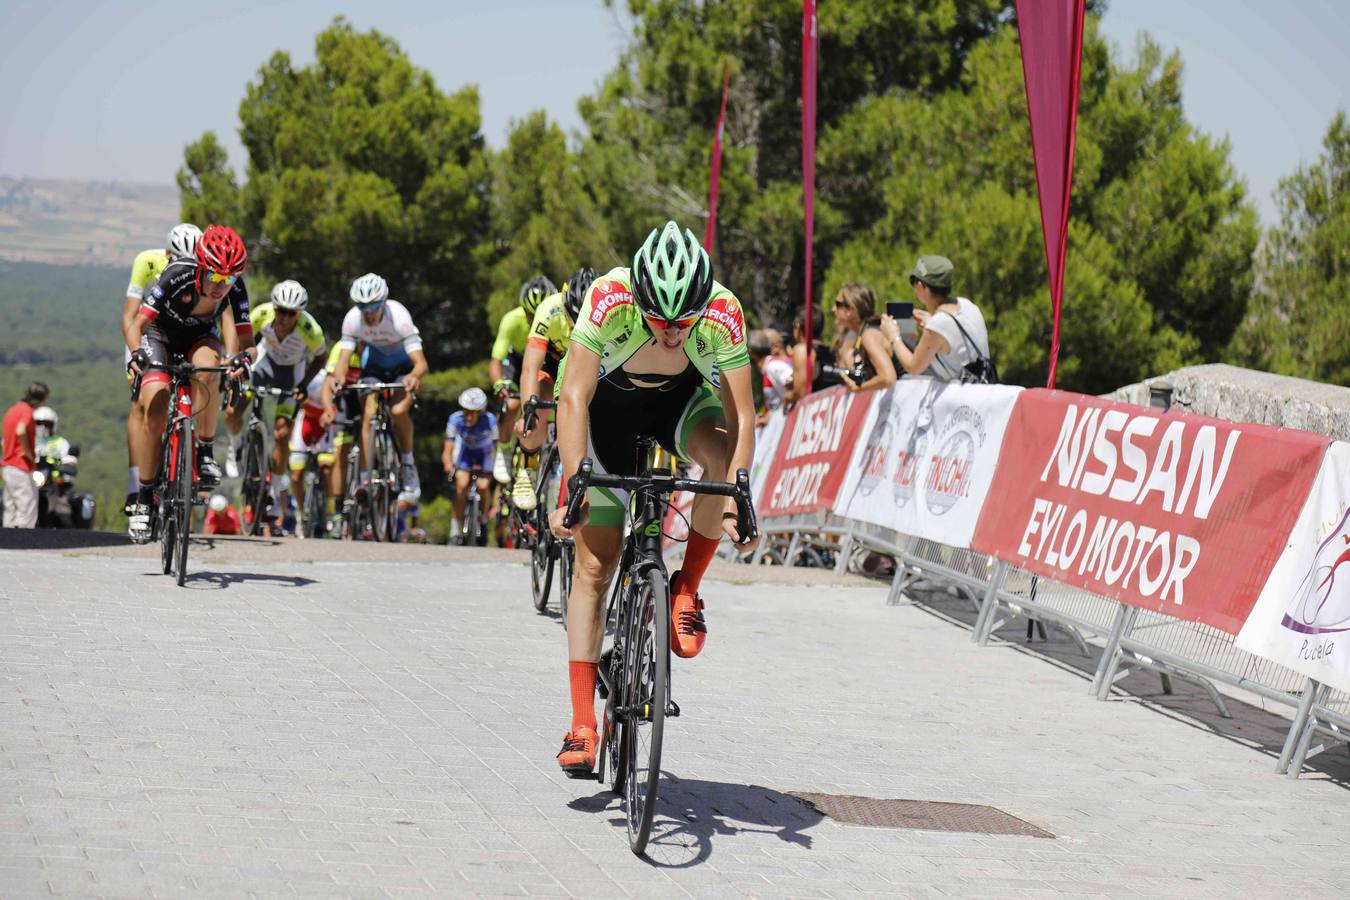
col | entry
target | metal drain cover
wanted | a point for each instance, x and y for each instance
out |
(924, 815)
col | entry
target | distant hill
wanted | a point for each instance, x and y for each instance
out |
(90, 223)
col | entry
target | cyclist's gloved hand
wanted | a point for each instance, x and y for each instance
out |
(328, 417)
(299, 395)
(240, 364)
(138, 362)
(502, 385)
(555, 520)
(411, 382)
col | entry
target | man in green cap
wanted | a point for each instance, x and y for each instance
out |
(954, 332)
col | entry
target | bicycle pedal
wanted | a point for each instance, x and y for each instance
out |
(672, 709)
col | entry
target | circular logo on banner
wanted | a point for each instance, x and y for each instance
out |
(948, 470)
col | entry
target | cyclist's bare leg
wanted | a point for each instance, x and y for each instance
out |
(461, 491)
(507, 422)
(367, 414)
(597, 557)
(206, 390)
(400, 411)
(337, 479)
(234, 421)
(533, 440)
(155, 403)
(281, 444)
(709, 446)
(484, 490)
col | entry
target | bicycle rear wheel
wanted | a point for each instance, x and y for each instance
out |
(647, 668)
(254, 488)
(184, 488)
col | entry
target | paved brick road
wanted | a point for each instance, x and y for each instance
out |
(388, 727)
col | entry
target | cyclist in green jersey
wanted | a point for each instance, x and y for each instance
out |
(550, 335)
(658, 350)
(145, 271)
(508, 353)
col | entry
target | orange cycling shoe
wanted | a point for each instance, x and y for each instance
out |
(688, 629)
(577, 756)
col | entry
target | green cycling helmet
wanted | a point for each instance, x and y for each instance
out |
(533, 292)
(672, 275)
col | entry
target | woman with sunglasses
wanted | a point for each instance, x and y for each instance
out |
(658, 350)
(183, 316)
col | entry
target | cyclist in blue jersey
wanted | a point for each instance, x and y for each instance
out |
(470, 440)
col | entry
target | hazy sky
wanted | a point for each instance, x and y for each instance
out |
(100, 90)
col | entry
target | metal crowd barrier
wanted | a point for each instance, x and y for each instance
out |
(1130, 638)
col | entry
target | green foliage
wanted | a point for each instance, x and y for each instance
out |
(542, 212)
(1159, 263)
(206, 185)
(60, 314)
(1300, 322)
(646, 157)
(359, 163)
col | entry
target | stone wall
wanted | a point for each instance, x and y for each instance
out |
(1245, 395)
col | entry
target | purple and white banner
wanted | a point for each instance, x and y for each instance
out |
(926, 457)
(1302, 617)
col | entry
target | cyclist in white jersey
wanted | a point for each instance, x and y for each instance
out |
(393, 353)
(290, 351)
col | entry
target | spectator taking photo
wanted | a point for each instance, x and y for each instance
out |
(954, 333)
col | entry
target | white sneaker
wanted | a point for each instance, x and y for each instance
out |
(412, 484)
(522, 493)
(231, 462)
(138, 525)
(455, 527)
(500, 470)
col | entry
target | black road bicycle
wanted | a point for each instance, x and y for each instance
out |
(547, 550)
(377, 505)
(255, 488)
(176, 486)
(473, 527)
(635, 669)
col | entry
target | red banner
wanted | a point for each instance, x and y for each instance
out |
(810, 44)
(1051, 34)
(1176, 513)
(715, 176)
(813, 454)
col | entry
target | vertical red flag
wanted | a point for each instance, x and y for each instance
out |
(810, 44)
(1051, 32)
(715, 177)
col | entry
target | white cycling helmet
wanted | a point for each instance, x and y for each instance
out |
(369, 290)
(218, 502)
(473, 399)
(183, 239)
(45, 415)
(290, 295)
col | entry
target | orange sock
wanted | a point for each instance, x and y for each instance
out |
(582, 674)
(697, 554)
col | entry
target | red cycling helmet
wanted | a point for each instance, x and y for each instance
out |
(220, 250)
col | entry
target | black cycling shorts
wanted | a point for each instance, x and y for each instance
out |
(164, 348)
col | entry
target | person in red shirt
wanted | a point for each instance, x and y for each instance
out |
(21, 491)
(221, 517)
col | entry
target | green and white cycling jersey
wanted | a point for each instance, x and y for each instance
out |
(305, 342)
(611, 325)
(145, 271)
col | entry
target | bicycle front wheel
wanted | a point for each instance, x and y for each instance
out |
(314, 525)
(164, 503)
(566, 552)
(183, 488)
(647, 667)
(254, 488)
(541, 569)
(382, 508)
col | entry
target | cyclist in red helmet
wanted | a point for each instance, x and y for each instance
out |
(183, 316)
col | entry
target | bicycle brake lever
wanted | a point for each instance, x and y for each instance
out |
(746, 524)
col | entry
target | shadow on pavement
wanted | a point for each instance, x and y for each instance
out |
(219, 581)
(1251, 726)
(58, 538)
(691, 813)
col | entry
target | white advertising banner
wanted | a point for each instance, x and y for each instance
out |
(1302, 617)
(926, 457)
(766, 447)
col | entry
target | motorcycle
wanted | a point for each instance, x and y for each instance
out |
(60, 505)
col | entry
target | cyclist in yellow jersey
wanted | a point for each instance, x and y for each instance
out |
(145, 271)
(550, 335)
(508, 353)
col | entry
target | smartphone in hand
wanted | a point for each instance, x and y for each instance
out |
(900, 309)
